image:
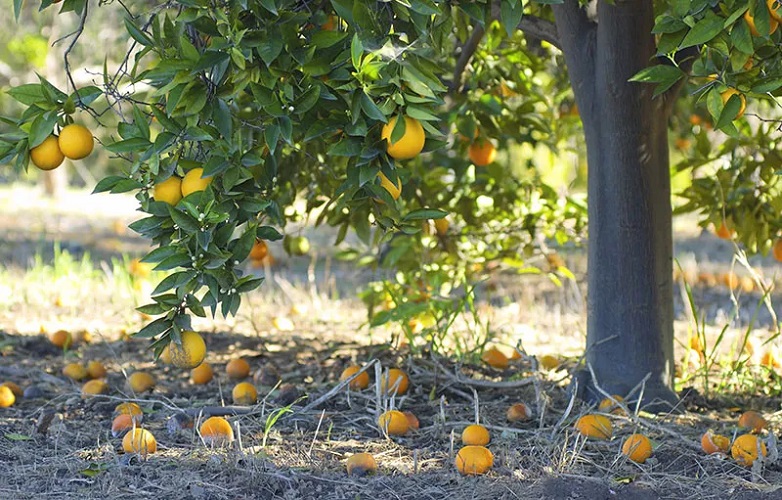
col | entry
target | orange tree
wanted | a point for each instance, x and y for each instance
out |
(258, 103)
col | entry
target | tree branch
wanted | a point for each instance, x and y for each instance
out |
(468, 50)
(578, 38)
(540, 28)
(685, 59)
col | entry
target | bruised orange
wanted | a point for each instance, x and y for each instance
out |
(637, 448)
(393, 423)
(714, 443)
(361, 464)
(238, 368)
(358, 383)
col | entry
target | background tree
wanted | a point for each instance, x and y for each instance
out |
(246, 107)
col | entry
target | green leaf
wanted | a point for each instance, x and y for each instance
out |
(42, 127)
(371, 109)
(17, 8)
(186, 222)
(15, 436)
(703, 31)
(28, 94)
(664, 76)
(425, 214)
(174, 280)
(510, 14)
(270, 49)
(159, 254)
(155, 328)
(268, 233)
(269, 5)
(767, 85)
(356, 51)
(108, 183)
(137, 34)
(134, 144)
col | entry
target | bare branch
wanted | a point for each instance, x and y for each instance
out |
(541, 29)
(468, 50)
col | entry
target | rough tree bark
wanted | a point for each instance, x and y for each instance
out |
(630, 250)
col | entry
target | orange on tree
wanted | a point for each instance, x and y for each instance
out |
(776, 250)
(361, 464)
(190, 353)
(194, 181)
(168, 191)
(395, 382)
(238, 368)
(201, 374)
(441, 226)
(727, 95)
(259, 250)
(7, 397)
(360, 382)
(474, 460)
(410, 144)
(47, 155)
(714, 443)
(595, 426)
(637, 448)
(724, 231)
(394, 190)
(747, 448)
(139, 441)
(750, 20)
(476, 434)
(244, 393)
(482, 152)
(393, 423)
(216, 431)
(775, 9)
(75, 141)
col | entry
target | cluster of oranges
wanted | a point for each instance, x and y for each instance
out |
(481, 151)
(473, 458)
(745, 448)
(74, 142)
(173, 189)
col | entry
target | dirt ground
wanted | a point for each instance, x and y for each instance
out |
(55, 444)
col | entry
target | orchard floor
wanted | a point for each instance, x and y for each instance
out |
(58, 445)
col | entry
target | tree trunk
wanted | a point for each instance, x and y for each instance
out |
(630, 295)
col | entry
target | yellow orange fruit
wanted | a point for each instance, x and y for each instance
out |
(244, 393)
(412, 421)
(165, 355)
(95, 369)
(393, 423)
(192, 351)
(141, 382)
(774, 9)
(358, 383)
(395, 190)
(238, 368)
(216, 431)
(595, 426)
(202, 374)
(361, 464)
(259, 250)
(746, 449)
(724, 231)
(750, 20)
(15, 389)
(549, 362)
(61, 339)
(727, 95)
(714, 443)
(76, 141)
(777, 250)
(169, 191)
(139, 441)
(770, 360)
(752, 421)
(495, 358)
(441, 226)
(193, 181)
(637, 448)
(131, 409)
(47, 155)
(395, 382)
(7, 397)
(474, 460)
(611, 405)
(482, 152)
(75, 371)
(410, 144)
(518, 412)
(94, 387)
(122, 423)
(476, 434)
